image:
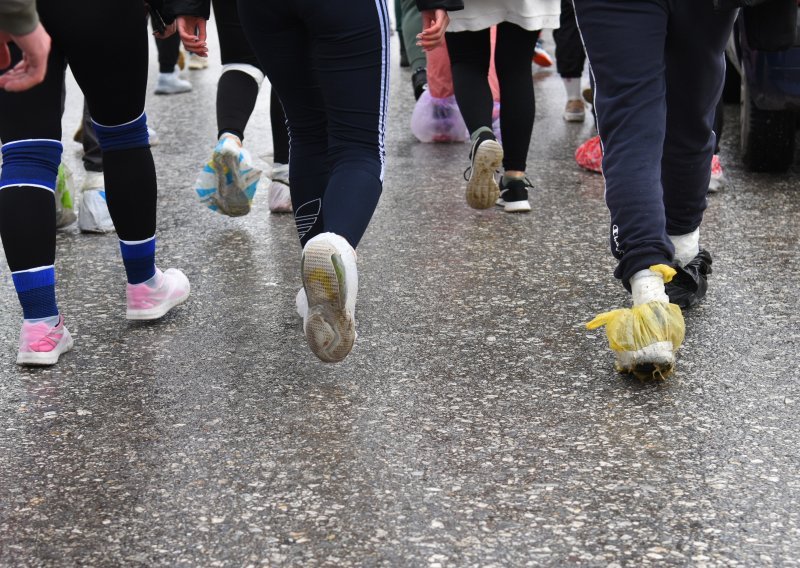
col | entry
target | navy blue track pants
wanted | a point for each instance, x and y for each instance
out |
(658, 69)
(329, 63)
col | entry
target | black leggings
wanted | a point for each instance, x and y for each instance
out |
(469, 58)
(81, 31)
(237, 91)
(168, 53)
(329, 63)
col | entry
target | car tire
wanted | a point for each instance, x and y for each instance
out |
(767, 136)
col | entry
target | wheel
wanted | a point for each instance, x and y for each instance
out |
(767, 136)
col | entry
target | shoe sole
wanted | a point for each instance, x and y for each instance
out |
(45, 359)
(157, 312)
(655, 361)
(574, 116)
(514, 206)
(171, 92)
(232, 199)
(329, 328)
(482, 189)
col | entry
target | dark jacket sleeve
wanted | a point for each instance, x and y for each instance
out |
(200, 8)
(18, 17)
(449, 5)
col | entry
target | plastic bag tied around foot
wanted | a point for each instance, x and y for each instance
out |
(631, 330)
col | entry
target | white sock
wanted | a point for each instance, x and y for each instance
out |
(648, 286)
(573, 88)
(686, 246)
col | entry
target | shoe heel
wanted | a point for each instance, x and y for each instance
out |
(232, 199)
(482, 189)
(329, 328)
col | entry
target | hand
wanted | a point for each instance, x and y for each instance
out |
(434, 24)
(192, 30)
(168, 31)
(31, 70)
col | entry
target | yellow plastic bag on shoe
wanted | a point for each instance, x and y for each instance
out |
(645, 337)
(635, 328)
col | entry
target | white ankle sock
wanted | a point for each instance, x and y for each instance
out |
(573, 87)
(686, 246)
(648, 286)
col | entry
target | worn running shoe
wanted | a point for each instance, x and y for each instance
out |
(589, 155)
(330, 281)
(646, 336)
(575, 111)
(278, 194)
(228, 182)
(482, 189)
(93, 215)
(42, 344)
(717, 180)
(514, 196)
(690, 283)
(540, 55)
(146, 302)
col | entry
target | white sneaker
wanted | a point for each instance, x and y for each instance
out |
(172, 84)
(93, 215)
(278, 194)
(197, 62)
(330, 283)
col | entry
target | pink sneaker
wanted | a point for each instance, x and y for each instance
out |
(717, 180)
(43, 344)
(146, 303)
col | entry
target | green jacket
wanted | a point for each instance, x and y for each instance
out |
(18, 17)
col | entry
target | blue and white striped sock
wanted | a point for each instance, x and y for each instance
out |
(139, 258)
(36, 289)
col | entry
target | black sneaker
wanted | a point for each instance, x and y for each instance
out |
(689, 285)
(514, 196)
(419, 80)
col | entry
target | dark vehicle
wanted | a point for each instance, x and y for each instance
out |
(768, 65)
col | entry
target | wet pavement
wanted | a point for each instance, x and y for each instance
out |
(476, 423)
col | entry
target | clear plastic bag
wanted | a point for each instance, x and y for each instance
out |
(65, 197)
(438, 120)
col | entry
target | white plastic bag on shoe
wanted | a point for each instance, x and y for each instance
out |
(93, 214)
